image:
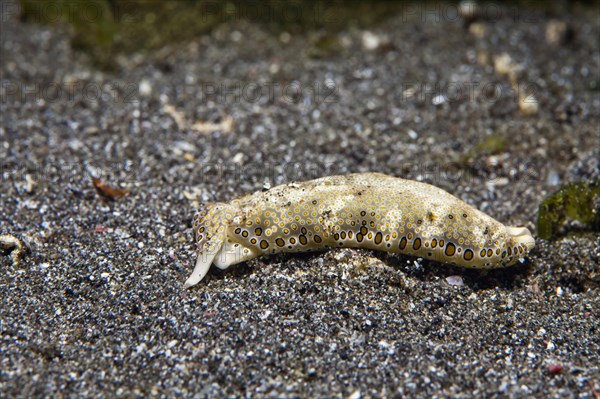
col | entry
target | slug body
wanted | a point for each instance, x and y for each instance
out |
(366, 210)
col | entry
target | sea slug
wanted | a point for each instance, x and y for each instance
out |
(364, 210)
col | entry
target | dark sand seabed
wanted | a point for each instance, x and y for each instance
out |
(500, 113)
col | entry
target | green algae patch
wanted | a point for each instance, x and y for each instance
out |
(324, 46)
(106, 29)
(579, 201)
(491, 145)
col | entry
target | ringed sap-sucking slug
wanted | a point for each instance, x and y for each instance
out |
(363, 210)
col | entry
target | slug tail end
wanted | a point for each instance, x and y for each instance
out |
(520, 242)
(522, 235)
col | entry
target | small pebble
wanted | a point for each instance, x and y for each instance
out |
(528, 104)
(455, 281)
(370, 41)
(438, 100)
(555, 368)
(355, 395)
(145, 88)
(468, 9)
(503, 64)
(556, 31)
(553, 178)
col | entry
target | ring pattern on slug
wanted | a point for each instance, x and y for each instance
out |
(368, 210)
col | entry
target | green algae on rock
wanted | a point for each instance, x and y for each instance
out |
(579, 201)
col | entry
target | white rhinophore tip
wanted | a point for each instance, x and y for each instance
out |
(202, 265)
